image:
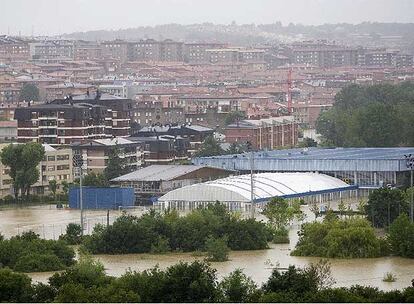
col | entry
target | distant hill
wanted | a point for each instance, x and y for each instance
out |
(367, 33)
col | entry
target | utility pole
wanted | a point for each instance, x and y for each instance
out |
(410, 164)
(253, 204)
(81, 199)
(78, 164)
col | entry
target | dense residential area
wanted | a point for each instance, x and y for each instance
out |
(245, 160)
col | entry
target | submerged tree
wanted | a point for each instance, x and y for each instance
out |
(22, 160)
(210, 147)
(117, 166)
(29, 92)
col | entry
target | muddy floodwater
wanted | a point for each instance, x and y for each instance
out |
(50, 222)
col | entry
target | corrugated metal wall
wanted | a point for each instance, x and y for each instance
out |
(102, 198)
(274, 164)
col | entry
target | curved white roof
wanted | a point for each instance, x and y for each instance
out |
(266, 186)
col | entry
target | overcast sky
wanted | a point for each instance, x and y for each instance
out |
(64, 16)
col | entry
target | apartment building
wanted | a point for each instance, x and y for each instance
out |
(323, 54)
(269, 133)
(9, 88)
(74, 119)
(87, 50)
(384, 58)
(144, 50)
(13, 49)
(52, 51)
(154, 113)
(116, 49)
(195, 53)
(56, 165)
(95, 153)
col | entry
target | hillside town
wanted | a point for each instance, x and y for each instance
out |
(238, 160)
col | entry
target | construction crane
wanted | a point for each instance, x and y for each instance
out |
(289, 91)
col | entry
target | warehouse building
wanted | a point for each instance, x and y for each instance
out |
(153, 181)
(235, 191)
(369, 168)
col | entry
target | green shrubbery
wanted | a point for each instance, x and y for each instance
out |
(73, 235)
(401, 237)
(340, 238)
(385, 205)
(187, 282)
(29, 253)
(217, 249)
(279, 213)
(154, 232)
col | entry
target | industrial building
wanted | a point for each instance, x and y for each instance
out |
(153, 181)
(235, 191)
(101, 198)
(369, 168)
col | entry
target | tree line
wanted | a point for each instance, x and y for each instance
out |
(190, 282)
(370, 116)
(164, 232)
(29, 253)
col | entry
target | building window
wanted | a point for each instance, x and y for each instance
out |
(50, 168)
(50, 158)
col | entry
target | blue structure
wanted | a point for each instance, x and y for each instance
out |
(102, 198)
(366, 167)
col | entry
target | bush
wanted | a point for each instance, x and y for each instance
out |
(73, 235)
(14, 287)
(37, 262)
(154, 232)
(336, 238)
(9, 199)
(281, 236)
(401, 237)
(188, 282)
(162, 246)
(389, 277)
(217, 249)
(237, 287)
(384, 206)
(29, 253)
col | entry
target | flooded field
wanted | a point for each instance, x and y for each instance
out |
(49, 222)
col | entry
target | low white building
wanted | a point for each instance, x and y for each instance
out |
(235, 191)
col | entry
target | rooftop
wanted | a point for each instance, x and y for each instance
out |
(157, 173)
(316, 159)
(266, 186)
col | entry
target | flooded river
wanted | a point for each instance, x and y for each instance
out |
(49, 222)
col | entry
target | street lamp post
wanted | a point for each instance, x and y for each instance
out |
(410, 164)
(78, 164)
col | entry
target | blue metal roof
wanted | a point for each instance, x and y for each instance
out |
(316, 159)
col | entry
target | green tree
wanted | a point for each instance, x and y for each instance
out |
(23, 159)
(238, 288)
(116, 166)
(217, 249)
(294, 280)
(385, 205)
(53, 188)
(308, 142)
(378, 115)
(73, 235)
(340, 238)
(233, 117)
(237, 148)
(210, 147)
(14, 287)
(29, 92)
(401, 236)
(195, 282)
(280, 213)
(95, 180)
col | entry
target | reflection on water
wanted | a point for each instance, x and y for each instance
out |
(50, 222)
